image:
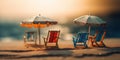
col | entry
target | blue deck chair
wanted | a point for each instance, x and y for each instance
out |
(80, 38)
(100, 37)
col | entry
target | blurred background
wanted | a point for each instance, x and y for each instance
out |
(12, 12)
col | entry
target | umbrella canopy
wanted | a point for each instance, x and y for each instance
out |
(38, 22)
(89, 20)
(43, 20)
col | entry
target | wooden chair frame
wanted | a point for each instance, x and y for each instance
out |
(27, 42)
(99, 43)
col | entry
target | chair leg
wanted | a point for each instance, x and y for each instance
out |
(90, 42)
(74, 42)
(57, 45)
(96, 44)
(26, 45)
(24, 40)
(102, 44)
(45, 43)
(85, 45)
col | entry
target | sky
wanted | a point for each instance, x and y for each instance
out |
(63, 11)
(55, 8)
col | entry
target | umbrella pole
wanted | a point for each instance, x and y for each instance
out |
(39, 36)
(89, 29)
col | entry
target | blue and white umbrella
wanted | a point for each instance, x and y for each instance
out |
(89, 20)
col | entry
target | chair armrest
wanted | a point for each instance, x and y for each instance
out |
(43, 37)
(59, 38)
(74, 39)
(92, 37)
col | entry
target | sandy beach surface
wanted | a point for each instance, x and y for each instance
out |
(15, 50)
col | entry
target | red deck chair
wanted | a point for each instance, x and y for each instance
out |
(52, 37)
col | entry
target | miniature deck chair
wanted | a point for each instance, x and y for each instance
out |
(91, 39)
(52, 37)
(99, 39)
(29, 38)
(80, 38)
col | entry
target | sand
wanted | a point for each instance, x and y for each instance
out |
(15, 50)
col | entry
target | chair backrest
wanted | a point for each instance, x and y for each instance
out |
(30, 36)
(53, 36)
(100, 36)
(82, 37)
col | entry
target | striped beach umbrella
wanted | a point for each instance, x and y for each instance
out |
(38, 22)
(89, 20)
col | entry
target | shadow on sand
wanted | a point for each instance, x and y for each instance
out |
(60, 52)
